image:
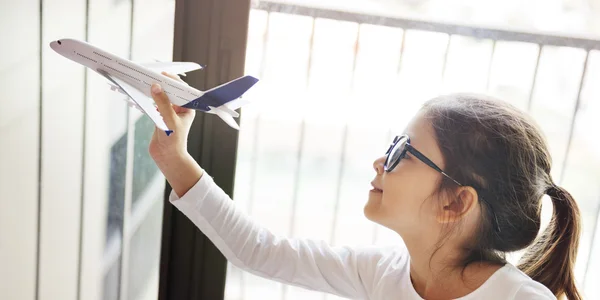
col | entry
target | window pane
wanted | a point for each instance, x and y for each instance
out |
(152, 39)
(144, 168)
(305, 161)
(116, 199)
(144, 254)
(105, 150)
(110, 290)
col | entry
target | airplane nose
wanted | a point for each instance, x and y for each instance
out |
(54, 45)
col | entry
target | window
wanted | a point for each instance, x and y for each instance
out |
(315, 125)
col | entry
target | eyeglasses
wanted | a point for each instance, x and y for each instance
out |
(397, 151)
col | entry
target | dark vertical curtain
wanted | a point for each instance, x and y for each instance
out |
(211, 33)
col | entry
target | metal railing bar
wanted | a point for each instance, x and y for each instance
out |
(490, 65)
(401, 58)
(341, 169)
(478, 32)
(302, 134)
(574, 117)
(255, 141)
(535, 76)
(374, 235)
(592, 246)
(445, 62)
(297, 172)
(391, 133)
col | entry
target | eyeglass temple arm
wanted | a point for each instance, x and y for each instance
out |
(428, 162)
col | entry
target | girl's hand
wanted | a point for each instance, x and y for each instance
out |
(178, 119)
(170, 152)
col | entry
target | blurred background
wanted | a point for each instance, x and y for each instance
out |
(82, 212)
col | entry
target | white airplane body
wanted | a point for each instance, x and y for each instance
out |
(135, 79)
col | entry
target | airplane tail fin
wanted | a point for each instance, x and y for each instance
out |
(222, 94)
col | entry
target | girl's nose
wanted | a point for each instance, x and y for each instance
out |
(378, 165)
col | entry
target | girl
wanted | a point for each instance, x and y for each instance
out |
(462, 186)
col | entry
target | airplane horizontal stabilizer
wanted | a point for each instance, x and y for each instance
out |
(222, 94)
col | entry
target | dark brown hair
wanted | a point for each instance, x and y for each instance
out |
(499, 150)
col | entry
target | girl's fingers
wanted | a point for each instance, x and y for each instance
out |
(164, 106)
(178, 109)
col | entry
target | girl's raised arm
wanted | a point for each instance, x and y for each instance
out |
(311, 264)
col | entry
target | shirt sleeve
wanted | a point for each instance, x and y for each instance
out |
(344, 271)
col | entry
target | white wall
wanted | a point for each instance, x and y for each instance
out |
(62, 149)
(19, 143)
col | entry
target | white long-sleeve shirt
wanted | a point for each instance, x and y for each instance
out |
(356, 273)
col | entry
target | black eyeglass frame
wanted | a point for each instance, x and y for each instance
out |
(409, 148)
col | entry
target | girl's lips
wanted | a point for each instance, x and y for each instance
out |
(375, 188)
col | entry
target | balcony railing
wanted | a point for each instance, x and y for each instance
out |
(305, 173)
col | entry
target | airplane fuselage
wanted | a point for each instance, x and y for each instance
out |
(135, 74)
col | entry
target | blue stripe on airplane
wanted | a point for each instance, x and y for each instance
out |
(223, 94)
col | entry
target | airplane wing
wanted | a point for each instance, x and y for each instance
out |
(172, 67)
(142, 101)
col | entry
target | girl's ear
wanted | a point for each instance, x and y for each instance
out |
(458, 205)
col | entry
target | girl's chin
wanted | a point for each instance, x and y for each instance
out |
(371, 209)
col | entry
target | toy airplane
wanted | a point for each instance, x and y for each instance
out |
(134, 80)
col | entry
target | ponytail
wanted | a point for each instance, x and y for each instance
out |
(551, 259)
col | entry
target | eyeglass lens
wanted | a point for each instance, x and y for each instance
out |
(396, 152)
